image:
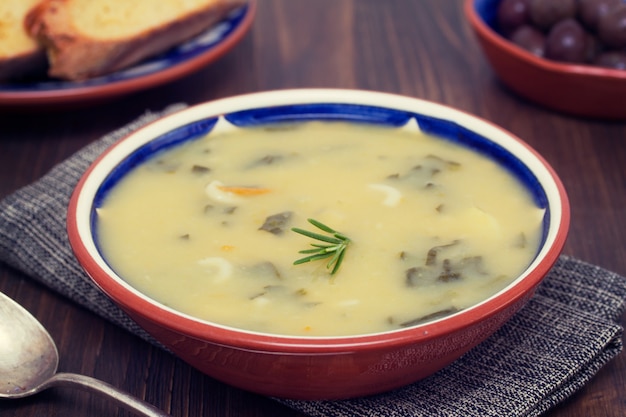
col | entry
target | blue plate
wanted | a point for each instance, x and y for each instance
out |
(173, 64)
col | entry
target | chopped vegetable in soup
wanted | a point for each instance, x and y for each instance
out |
(213, 228)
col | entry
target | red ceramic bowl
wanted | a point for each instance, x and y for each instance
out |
(580, 90)
(321, 367)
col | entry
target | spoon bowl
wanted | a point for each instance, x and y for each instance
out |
(28, 355)
(29, 360)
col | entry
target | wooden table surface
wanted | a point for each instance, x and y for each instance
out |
(422, 49)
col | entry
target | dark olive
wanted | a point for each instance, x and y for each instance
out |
(567, 41)
(590, 11)
(511, 15)
(546, 13)
(594, 47)
(573, 31)
(611, 59)
(531, 39)
(612, 27)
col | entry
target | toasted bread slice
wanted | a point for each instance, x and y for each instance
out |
(19, 54)
(89, 38)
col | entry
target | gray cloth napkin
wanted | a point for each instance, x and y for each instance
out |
(546, 352)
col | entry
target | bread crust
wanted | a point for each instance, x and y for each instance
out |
(22, 62)
(76, 56)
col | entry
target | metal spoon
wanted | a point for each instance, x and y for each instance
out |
(29, 360)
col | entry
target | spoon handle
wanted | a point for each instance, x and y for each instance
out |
(123, 399)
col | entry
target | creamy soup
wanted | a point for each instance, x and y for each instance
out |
(206, 228)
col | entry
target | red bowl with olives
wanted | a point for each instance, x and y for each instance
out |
(566, 55)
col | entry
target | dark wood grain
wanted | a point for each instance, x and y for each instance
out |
(418, 48)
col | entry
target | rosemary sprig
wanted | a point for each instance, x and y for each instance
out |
(335, 248)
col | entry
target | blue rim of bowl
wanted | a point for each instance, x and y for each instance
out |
(353, 113)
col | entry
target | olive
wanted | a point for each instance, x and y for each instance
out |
(594, 47)
(512, 14)
(531, 39)
(546, 13)
(612, 27)
(590, 11)
(575, 31)
(567, 41)
(611, 59)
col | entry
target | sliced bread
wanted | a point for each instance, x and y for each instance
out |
(89, 38)
(19, 54)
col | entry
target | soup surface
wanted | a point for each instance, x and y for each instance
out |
(206, 227)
